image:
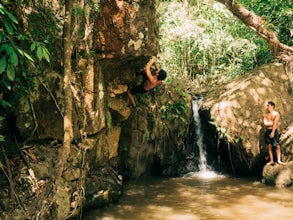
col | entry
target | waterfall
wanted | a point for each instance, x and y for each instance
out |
(204, 170)
(199, 135)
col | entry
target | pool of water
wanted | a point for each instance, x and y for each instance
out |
(198, 197)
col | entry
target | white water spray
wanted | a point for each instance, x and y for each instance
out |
(204, 170)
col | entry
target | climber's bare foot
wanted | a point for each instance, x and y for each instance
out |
(131, 98)
(281, 163)
(270, 163)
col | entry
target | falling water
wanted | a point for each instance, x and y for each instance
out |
(204, 170)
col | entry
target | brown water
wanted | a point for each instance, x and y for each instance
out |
(194, 197)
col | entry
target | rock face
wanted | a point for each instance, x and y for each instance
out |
(277, 175)
(237, 115)
(112, 137)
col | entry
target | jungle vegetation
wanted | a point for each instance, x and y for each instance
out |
(203, 40)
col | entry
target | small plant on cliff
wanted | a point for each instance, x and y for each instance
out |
(174, 111)
(108, 120)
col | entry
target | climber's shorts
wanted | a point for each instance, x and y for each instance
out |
(138, 89)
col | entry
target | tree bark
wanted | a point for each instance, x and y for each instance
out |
(67, 121)
(279, 50)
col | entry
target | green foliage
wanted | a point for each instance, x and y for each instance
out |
(174, 111)
(180, 93)
(223, 133)
(278, 14)
(239, 139)
(16, 59)
(202, 38)
(41, 51)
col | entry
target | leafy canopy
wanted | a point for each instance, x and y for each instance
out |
(202, 38)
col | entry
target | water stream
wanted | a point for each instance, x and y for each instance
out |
(198, 196)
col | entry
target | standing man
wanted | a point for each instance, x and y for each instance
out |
(271, 121)
(149, 81)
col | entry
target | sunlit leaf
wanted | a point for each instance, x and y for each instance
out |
(23, 53)
(33, 46)
(5, 12)
(46, 54)
(40, 53)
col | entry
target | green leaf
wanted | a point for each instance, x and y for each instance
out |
(21, 52)
(9, 27)
(3, 64)
(46, 54)
(13, 58)
(6, 47)
(10, 72)
(33, 46)
(21, 37)
(5, 104)
(5, 12)
(40, 53)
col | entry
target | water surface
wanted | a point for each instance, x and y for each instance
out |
(197, 197)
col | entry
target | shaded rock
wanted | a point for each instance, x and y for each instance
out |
(278, 175)
(119, 110)
(154, 140)
(103, 186)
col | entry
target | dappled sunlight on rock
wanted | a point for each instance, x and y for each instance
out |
(238, 115)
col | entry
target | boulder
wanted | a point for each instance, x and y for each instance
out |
(278, 175)
(234, 114)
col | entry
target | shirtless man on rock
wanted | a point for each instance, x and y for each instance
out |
(271, 121)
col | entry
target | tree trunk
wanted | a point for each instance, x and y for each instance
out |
(67, 120)
(68, 130)
(279, 50)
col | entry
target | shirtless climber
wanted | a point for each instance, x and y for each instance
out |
(149, 81)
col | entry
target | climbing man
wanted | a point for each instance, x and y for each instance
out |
(150, 81)
(271, 121)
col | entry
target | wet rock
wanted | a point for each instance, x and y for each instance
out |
(103, 186)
